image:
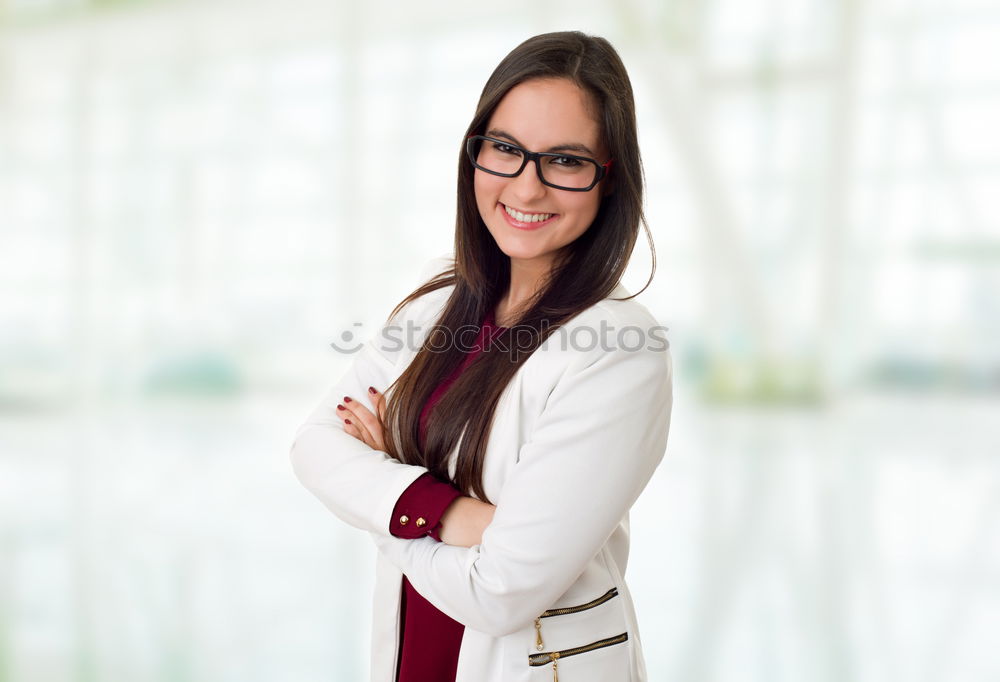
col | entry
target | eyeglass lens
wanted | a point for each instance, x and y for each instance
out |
(564, 171)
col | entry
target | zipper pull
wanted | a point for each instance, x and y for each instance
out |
(555, 666)
(539, 644)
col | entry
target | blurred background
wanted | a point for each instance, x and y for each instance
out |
(197, 198)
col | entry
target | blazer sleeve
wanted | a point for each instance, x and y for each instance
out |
(593, 450)
(358, 484)
(419, 509)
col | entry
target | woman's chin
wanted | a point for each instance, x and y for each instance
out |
(526, 255)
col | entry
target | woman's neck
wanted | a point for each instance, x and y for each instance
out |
(526, 279)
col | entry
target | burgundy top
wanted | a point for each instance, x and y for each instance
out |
(429, 640)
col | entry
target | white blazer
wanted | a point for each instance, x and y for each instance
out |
(576, 436)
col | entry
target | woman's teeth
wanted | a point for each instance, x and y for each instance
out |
(527, 217)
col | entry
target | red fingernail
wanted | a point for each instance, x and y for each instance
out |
(346, 399)
(347, 421)
(371, 389)
(341, 407)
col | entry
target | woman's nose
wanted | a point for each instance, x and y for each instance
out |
(528, 185)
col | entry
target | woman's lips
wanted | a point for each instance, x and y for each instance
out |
(523, 224)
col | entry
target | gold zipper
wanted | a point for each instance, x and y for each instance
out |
(554, 657)
(539, 644)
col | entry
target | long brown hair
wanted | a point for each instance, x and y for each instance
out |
(585, 273)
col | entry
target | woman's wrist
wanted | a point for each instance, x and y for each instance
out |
(464, 521)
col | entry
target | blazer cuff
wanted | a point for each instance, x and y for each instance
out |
(419, 509)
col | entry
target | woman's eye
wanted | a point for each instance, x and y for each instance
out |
(505, 148)
(566, 161)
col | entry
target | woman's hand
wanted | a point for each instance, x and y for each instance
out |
(464, 521)
(360, 422)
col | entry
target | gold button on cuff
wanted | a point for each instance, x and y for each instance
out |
(421, 522)
(404, 519)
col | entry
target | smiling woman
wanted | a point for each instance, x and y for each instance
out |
(496, 477)
(552, 115)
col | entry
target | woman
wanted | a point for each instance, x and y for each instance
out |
(494, 435)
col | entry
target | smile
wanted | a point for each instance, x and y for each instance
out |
(529, 220)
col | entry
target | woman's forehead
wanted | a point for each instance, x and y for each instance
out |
(547, 113)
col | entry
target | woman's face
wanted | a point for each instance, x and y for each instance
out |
(540, 115)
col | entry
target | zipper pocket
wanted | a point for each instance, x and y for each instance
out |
(554, 657)
(607, 596)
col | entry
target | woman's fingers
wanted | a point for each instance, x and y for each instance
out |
(351, 429)
(379, 401)
(369, 423)
(366, 425)
(358, 423)
(352, 424)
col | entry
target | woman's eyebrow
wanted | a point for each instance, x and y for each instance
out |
(568, 147)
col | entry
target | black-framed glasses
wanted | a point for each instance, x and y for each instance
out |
(562, 171)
